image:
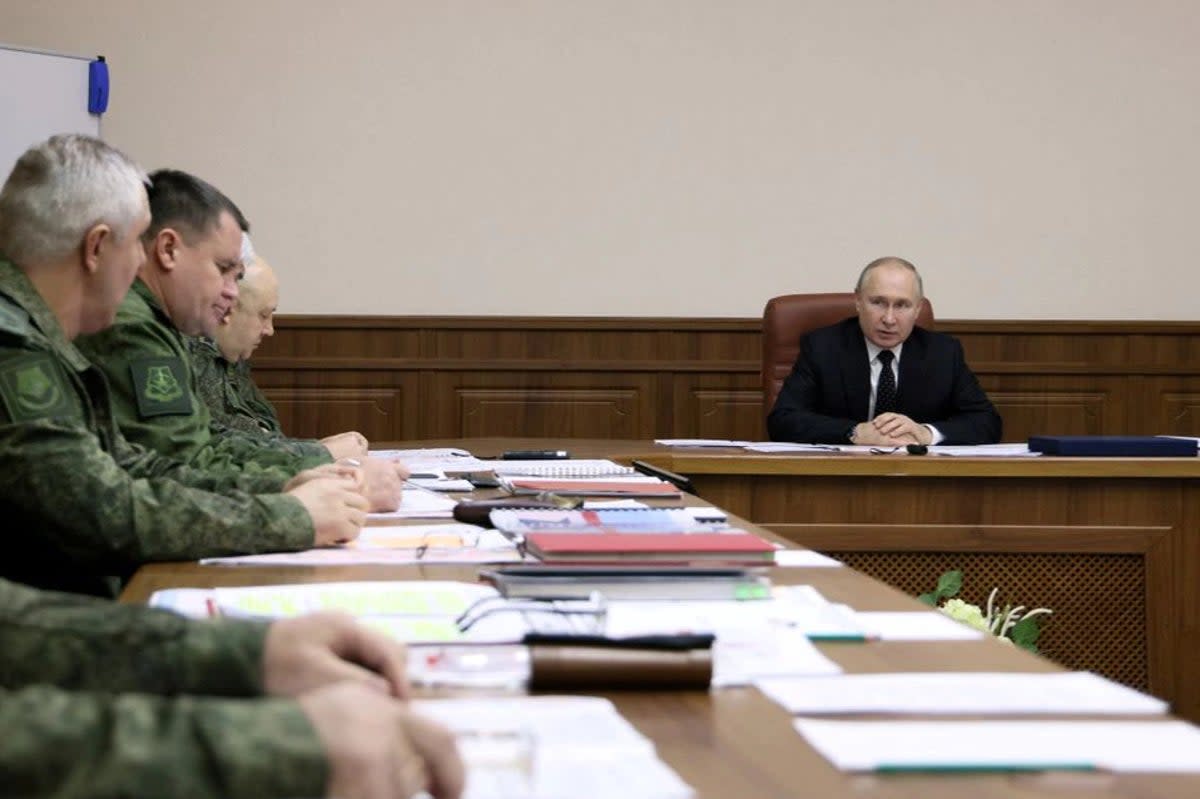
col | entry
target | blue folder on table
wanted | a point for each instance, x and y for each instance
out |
(1115, 446)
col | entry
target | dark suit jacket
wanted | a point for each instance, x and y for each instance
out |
(829, 390)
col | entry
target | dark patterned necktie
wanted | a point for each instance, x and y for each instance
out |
(885, 392)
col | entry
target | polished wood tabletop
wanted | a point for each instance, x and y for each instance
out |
(734, 742)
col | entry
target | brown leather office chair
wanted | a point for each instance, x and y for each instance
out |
(786, 320)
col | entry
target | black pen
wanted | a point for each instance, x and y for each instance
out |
(535, 455)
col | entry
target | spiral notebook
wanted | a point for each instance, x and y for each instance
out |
(558, 468)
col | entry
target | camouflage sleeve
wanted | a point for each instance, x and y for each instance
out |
(67, 745)
(308, 449)
(84, 643)
(72, 499)
(141, 462)
(225, 418)
(214, 387)
(261, 453)
(237, 408)
(251, 395)
(303, 447)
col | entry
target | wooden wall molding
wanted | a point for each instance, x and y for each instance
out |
(637, 377)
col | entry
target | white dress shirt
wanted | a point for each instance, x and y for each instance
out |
(873, 351)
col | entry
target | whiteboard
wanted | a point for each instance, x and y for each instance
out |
(40, 94)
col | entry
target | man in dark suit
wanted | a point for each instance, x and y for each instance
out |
(880, 381)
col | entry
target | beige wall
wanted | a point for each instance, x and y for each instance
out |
(1037, 158)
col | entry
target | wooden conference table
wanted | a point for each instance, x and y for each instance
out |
(734, 742)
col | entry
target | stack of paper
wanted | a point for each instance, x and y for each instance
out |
(435, 460)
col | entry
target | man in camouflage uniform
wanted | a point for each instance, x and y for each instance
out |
(99, 700)
(79, 500)
(186, 285)
(220, 364)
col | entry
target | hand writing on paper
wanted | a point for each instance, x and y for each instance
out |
(383, 483)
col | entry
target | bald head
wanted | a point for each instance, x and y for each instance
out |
(252, 316)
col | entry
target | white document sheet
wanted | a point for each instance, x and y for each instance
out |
(1120, 746)
(788, 446)
(700, 442)
(440, 459)
(441, 484)
(755, 638)
(757, 653)
(964, 693)
(550, 747)
(805, 558)
(441, 598)
(928, 625)
(419, 503)
(418, 543)
(415, 611)
(817, 619)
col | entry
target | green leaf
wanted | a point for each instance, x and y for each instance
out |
(1025, 634)
(948, 585)
(928, 599)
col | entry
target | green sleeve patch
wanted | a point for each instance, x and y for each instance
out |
(33, 387)
(161, 387)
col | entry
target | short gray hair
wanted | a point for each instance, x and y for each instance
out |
(60, 189)
(248, 254)
(894, 261)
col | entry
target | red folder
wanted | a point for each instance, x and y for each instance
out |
(727, 547)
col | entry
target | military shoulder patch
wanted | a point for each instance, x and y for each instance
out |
(161, 387)
(33, 387)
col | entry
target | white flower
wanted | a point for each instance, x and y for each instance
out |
(965, 612)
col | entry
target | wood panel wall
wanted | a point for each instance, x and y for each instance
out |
(395, 378)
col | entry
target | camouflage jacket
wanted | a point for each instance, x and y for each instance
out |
(146, 362)
(234, 401)
(78, 499)
(91, 704)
